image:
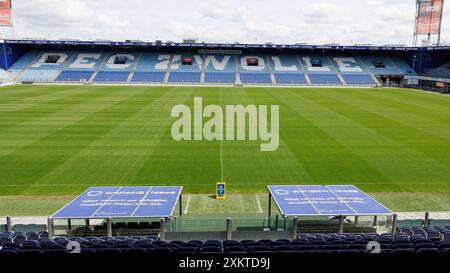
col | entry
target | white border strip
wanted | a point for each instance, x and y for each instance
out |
(318, 211)
(338, 198)
(140, 201)
(177, 199)
(107, 200)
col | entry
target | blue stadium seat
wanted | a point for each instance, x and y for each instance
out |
(212, 243)
(5, 240)
(311, 243)
(428, 251)
(35, 66)
(31, 251)
(136, 250)
(111, 76)
(324, 79)
(162, 250)
(187, 250)
(88, 251)
(289, 78)
(143, 77)
(8, 251)
(358, 79)
(187, 77)
(259, 249)
(254, 78)
(402, 250)
(424, 245)
(211, 249)
(220, 77)
(110, 251)
(74, 76)
(282, 248)
(56, 251)
(220, 69)
(235, 249)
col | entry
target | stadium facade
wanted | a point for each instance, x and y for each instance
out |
(31, 61)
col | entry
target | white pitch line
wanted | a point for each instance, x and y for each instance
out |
(221, 162)
(259, 204)
(221, 141)
(188, 201)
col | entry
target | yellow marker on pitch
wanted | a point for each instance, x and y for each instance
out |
(221, 190)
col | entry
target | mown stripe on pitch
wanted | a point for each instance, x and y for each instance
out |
(427, 117)
(419, 105)
(334, 112)
(24, 115)
(155, 140)
(100, 174)
(42, 143)
(357, 163)
(408, 132)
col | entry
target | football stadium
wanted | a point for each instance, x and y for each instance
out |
(158, 147)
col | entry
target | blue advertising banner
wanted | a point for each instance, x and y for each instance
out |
(331, 200)
(122, 202)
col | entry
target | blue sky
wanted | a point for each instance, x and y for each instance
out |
(246, 21)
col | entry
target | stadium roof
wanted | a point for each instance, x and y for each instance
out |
(204, 45)
(317, 200)
(122, 202)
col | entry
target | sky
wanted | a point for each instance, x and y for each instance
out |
(246, 21)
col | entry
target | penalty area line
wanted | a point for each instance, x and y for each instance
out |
(188, 201)
(259, 204)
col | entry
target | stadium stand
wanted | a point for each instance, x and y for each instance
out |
(416, 242)
(4, 77)
(352, 71)
(220, 69)
(117, 67)
(185, 68)
(82, 67)
(254, 69)
(382, 65)
(320, 70)
(442, 71)
(287, 70)
(20, 65)
(151, 67)
(40, 66)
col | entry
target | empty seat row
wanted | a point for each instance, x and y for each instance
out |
(442, 232)
(306, 243)
(31, 242)
(130, 225)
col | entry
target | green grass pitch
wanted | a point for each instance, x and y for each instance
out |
(59, 140)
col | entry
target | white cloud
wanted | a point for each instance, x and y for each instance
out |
(112, 22)
(216, 9)
(284, 21)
